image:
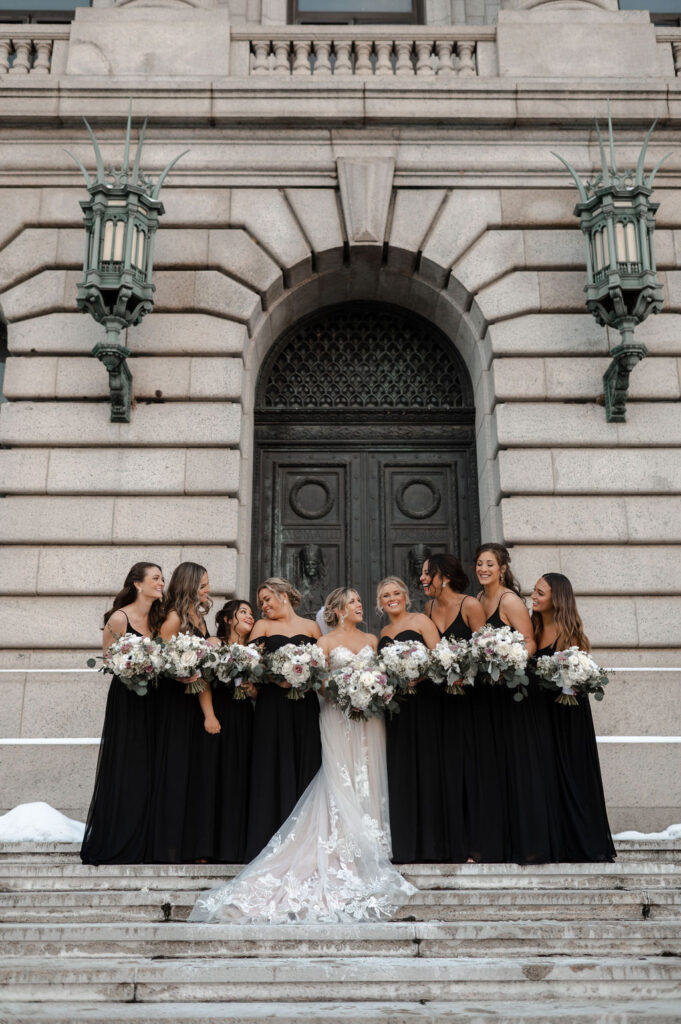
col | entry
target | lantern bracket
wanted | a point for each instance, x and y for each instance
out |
(625, 357)
(113, 355)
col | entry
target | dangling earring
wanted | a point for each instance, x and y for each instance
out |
(501, 576)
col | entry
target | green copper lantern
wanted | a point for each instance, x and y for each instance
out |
(121, 218)
(618, 222)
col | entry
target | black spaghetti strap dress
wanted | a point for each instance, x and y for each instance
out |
(176, 808)
(475, 782)
(526, 738)
(287, 752)
(415, 757)
(584, 818)
(118, 819)
(219, 782)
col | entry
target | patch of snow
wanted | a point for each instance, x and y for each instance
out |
(671, 832)
(39, 823)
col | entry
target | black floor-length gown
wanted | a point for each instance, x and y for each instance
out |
(287, 752)
(118, 819)
(220, 766)
(415, 758)
(585, 826)
(475, 779)
(525, 736)
(178, 812)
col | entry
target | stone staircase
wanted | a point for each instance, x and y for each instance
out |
(482, 944)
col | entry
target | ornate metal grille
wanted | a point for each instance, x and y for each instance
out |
(364, 357)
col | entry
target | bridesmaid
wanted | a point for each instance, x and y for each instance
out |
(558, 625)
(118, 818)
(286, 743)
(414, 746)
(233, 750)
(473, 768)
(523, 727)
(182, 815)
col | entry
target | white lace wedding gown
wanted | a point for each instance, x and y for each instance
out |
(330, 861)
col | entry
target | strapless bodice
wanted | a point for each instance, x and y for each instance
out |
(341, 656)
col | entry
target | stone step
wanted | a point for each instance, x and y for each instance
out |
(363, 979)
(468, 1011)
(568, 877)
(316, 941)
(443, 905)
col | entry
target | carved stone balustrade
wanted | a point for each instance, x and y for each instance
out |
(31, 49)
(365, 50)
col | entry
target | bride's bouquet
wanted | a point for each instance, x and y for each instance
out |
(572, 672)
(136, 660)
(405, 661)
(499, 656)
(449, 662)
(184, 656)
(361, 688)
(233, 665)
(301, 665)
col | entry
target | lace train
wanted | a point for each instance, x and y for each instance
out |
(330, 861)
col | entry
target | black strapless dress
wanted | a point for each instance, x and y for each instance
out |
(475, 780)
(118, 819)
(414, 750)
(287, 753)
(525, 736)
(584, 818)
(178, 813)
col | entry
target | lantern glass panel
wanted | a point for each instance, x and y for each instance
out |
(631, 239)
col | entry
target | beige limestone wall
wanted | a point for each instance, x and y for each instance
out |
(496, 264)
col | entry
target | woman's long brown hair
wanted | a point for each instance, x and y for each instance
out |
(183, 594)
(569, 626)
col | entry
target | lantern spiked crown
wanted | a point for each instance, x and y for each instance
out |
(121, 218)
(618, 222)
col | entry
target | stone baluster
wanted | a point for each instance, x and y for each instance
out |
(22, 57)
(5, 47)
(443, 49)
(282, 57)
(43, 50)
(322, 64)
(363, 58)
(301, 65)
(403, 65)
(261, 50)
(343, 64)
(676, 50)
(423, 65)
(383, 62)
(466, 58)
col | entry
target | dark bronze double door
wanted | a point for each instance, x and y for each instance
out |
(331, 512)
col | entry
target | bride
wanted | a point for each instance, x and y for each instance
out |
(330, 861)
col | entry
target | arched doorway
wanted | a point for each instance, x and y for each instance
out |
(364, 452)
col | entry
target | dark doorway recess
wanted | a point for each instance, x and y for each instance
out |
(364, 453)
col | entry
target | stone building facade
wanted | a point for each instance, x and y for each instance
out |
(400, 171)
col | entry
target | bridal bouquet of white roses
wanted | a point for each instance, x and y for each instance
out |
(361, 688)
(183, 657)
(572, 672)
(449, 661)
(405, 661)
(136, 660)
(233, 665)
(301, 665)
(499, 656)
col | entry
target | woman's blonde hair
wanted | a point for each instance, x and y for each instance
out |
(282, 588)
(183, 594)
(568, 621)
(396, 582)
(335, 604)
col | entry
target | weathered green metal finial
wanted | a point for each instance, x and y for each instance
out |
(618, 222)
(121, 218)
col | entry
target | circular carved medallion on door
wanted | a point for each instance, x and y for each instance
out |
(413, 503)
(311, 498)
